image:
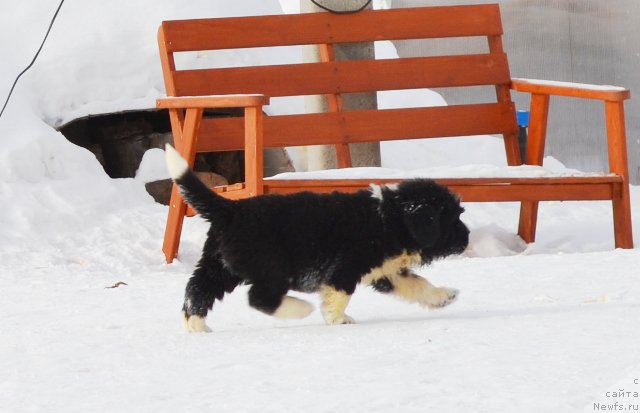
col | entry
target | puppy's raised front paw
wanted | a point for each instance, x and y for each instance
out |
(348, 320)
(441, 297)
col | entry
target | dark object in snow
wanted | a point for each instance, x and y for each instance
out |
(161, 190)
(523, 124)
(116, 285)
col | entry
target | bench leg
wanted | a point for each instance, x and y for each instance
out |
(622, 217)
(534, 156)
(177, 206)
(177, 211)
(528, 221)
(618, 164)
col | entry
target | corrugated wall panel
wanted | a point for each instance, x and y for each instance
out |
(587, 41)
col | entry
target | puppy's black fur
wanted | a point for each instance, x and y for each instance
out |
(306, 241)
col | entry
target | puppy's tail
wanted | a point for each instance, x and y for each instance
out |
(211, 206)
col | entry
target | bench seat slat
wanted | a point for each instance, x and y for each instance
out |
(396, 24)
(348, 76)
(477, 189)
(363, 126)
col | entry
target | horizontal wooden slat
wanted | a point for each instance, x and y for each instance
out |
(478, 189)
(212, 101)
(347, 76)
(535, 192)
(363, 126)
(586, 188)
(318, 28)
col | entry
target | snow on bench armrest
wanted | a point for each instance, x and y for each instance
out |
(570, 89)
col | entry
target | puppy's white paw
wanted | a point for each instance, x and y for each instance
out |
(195, 324)
(335, 320)
(440, 297)
(292, 307)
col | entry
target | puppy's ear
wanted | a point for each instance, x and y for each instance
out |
(423, 222)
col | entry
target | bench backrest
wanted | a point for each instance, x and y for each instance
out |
(489, 68)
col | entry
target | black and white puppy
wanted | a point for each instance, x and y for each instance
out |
(326, 243)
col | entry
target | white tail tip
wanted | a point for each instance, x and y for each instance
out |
(175, 163)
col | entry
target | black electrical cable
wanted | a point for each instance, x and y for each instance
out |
(32, 61)
(364, 6)
(15, 82)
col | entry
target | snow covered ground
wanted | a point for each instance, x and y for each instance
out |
(549, 327)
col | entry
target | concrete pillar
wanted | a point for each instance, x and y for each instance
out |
(363, 154)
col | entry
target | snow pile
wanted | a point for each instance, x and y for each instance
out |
(99, 58)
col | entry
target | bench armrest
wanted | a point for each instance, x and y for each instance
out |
(613, 97)
(577, 90)
(212, 101)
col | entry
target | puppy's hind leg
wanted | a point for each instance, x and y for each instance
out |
(210, 281)
(272, 300)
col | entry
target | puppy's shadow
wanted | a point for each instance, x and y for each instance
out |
(516, 312)
(450, 316)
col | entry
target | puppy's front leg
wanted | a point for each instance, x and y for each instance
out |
(334, 302)
(415, 289)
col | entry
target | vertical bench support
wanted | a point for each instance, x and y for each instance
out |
(618, 164)
(177, 206)
(253, 150)
(539, 115)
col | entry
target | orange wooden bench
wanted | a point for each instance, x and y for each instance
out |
(190, 92)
